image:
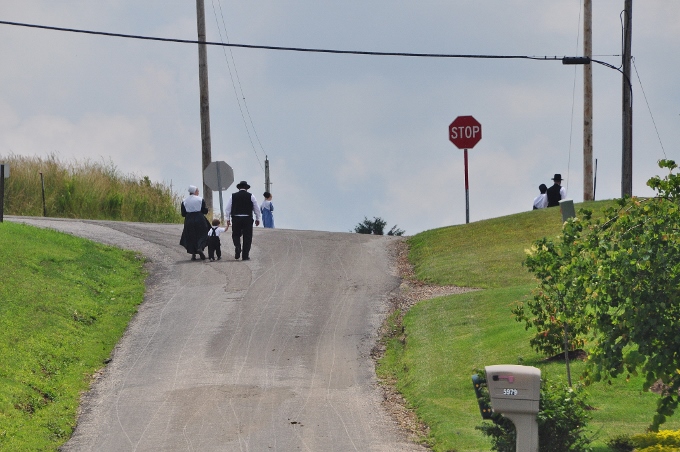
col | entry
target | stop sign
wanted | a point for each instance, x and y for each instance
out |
(218, 175)
(465, 132)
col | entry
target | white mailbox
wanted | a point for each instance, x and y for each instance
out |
(515, 392)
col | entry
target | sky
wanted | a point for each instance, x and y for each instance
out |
(348, 137)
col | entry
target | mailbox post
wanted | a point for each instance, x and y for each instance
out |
(515, 392)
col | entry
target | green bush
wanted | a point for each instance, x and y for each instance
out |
(562, 419)
(659, 448)
(621, 443)
(645, 441)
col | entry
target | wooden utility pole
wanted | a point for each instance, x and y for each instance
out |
(588, 102)
(267, 183)
(204, 100)
(627, 107)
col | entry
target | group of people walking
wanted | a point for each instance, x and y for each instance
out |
(241, 207)
(550, 197)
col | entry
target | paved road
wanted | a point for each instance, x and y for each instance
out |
(272, 354)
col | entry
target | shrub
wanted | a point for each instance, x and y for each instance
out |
(653, 440)
(621, 443)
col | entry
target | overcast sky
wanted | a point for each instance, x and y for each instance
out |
(347, 136)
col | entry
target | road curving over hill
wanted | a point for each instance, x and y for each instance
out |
(272, 354)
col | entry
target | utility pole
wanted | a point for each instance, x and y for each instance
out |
(627, 107)
(588, 194)
(267, 183)
(204, 100)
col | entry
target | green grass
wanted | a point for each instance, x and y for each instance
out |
(85, 189)
(64, 304)
(447, 338)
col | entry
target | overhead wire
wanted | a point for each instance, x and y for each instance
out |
(291, 49)
(257, 137)
(649, 108)
(234, 83)
(573, 95)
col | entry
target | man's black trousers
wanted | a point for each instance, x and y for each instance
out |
(242, 226)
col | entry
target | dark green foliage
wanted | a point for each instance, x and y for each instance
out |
(562, 420)
(395, 231)
(621, 443)
(376, 227)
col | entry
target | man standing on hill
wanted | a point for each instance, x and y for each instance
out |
(556, 192)
(240, 208)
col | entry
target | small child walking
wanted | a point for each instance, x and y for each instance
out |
(267, 209)
(214, 240)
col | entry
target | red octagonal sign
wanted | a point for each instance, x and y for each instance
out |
(465, 132)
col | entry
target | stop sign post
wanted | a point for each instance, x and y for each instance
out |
(465, 132)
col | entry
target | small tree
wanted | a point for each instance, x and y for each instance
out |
(376, 227)
(620, 276)
(635, 291)
(558, 310)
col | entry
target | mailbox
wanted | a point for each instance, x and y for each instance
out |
(513, 388)
(515, 392)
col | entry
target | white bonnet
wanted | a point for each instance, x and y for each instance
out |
(192, 189)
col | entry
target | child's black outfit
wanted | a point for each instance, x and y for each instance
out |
(214, 243)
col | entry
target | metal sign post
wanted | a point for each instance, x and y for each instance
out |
(219, 184)
(4, 172)
(467, 189)
(2, 191)
(42, 184)
(465, 132)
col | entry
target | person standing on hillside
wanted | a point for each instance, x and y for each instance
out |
(267, 209)
(556, 192)
(541, 201)
(195, 233)
(239, 214)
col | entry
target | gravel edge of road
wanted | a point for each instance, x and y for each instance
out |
(410, 292)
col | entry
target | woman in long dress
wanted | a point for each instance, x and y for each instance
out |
(195, 233)
(267, 210)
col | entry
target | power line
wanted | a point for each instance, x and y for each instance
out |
(238, 79)
(233, 84)
(649, 108)
(291, 49)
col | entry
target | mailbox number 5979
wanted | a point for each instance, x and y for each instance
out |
(510, 392)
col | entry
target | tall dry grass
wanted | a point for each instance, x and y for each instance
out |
(85, 189)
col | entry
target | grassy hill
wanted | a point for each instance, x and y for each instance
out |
(447, 338)
(64, 304)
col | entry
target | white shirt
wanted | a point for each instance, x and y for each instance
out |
(541, 201)
(218, 231)
(193, 203)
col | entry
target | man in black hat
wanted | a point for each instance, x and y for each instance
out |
(556, 192)
(240, 208)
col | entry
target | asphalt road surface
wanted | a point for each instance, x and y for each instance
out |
(272, 354)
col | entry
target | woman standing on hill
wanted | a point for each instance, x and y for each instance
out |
(267, 209)
(195, 233)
